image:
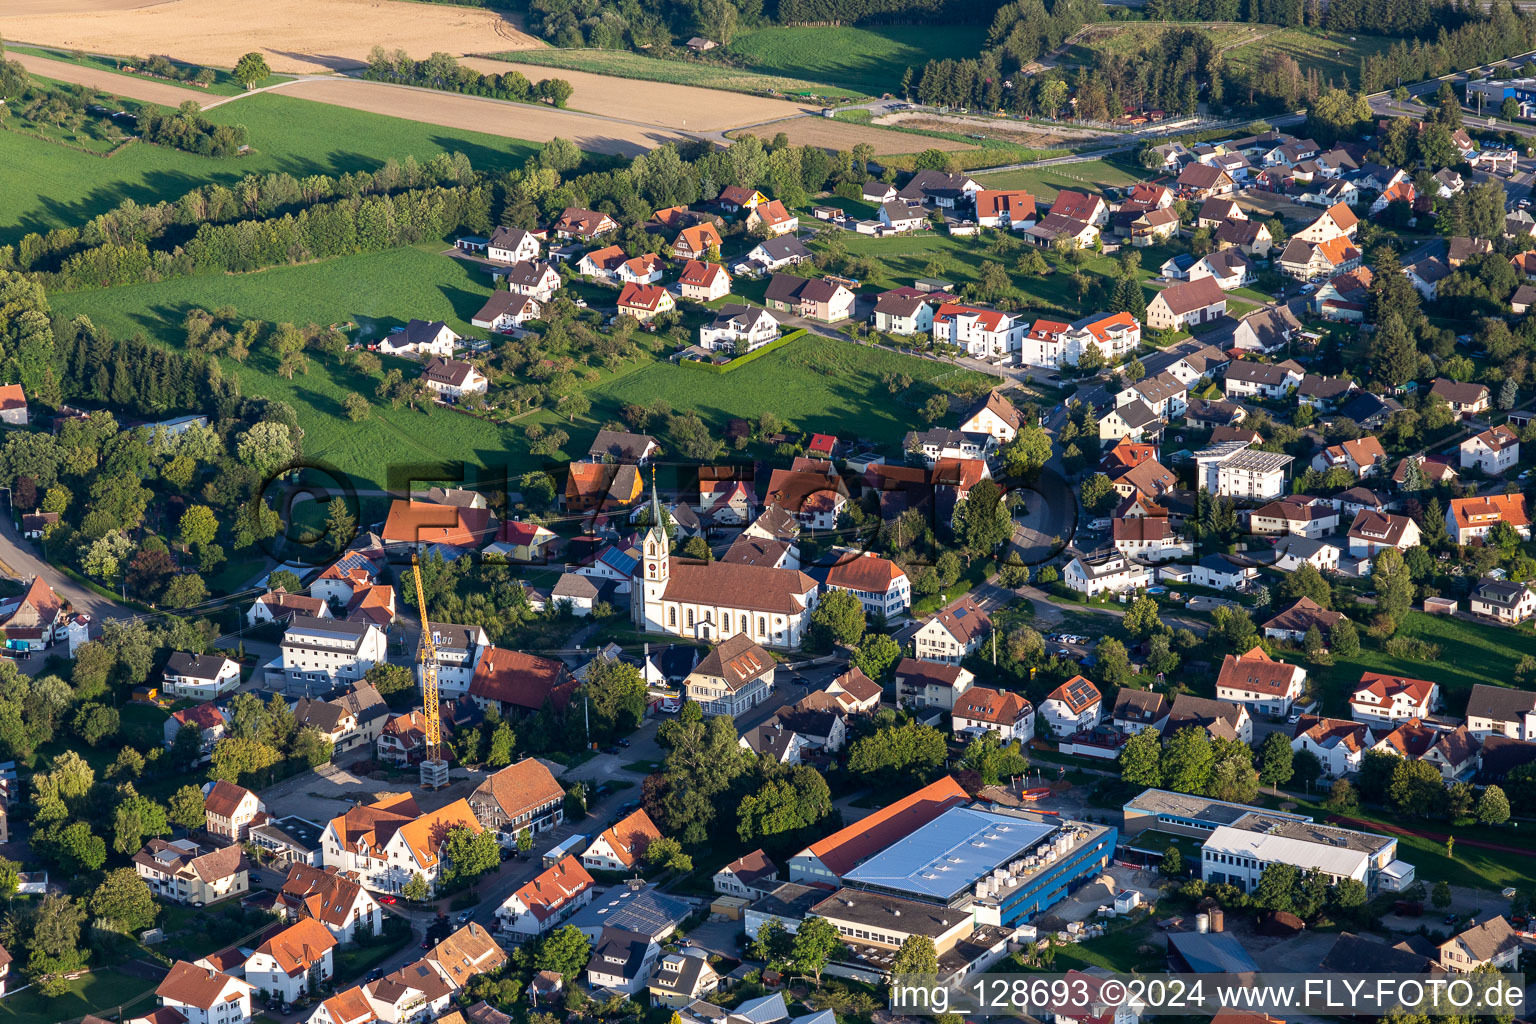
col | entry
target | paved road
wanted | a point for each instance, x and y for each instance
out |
(18, 560)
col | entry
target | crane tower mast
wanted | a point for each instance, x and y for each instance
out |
(434, 769)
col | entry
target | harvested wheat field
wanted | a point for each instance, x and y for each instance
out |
(295, 35)
(533, 122)
(672, 106)
(829, 133)
(134, 87)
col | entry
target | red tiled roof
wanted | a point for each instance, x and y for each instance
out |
(842, 851)
(525, 680)
(1255, 671)
(413, 522)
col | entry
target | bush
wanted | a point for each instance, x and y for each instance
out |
(1410, 647)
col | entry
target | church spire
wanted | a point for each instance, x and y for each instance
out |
(656, 521)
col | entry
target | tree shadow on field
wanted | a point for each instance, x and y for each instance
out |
(465, 303)
(489, 158)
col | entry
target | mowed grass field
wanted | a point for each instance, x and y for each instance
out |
(376, 290)
(1044, 182)
(49, 186)
(103, 991)
(706, 74)
(819, 384)
(870, 60)
(1470, 653)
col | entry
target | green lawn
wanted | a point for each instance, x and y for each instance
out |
(870, 60)
(707, 74)
(818, 383)
(1336, 55)
(103, 992)
(49, 186)
(377, 291)
(1470, 653)
(1044, 182)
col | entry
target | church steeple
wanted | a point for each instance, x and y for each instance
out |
(658, 545)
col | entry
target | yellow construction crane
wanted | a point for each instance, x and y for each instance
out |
(434, 769)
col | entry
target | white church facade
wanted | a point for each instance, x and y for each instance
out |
(714, 600)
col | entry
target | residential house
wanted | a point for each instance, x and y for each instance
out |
(940, 189)
(1138, 710)
(1321, 392)
(646, 269)
(346, 909)
(995, 416)
(751, 876)
(34, 620)
(820, 299)
(1338, 743)
(384, 844)
(1135, 421)
(738, 329)
(1005, 209)
(772, 254)
(353, 719)
(419, 339)
(953, 633)
(541, 905)
(1465, 399)
(602, 264)
(698, 242)
(1114, 574)
(423, 526)
(1386, 698)
(879, 583)
(1164, 394)
(454, 378)
(980, 333)
(1338, 221)
(927, 684)
(1073, 707)
(1470, 519)
(505, 310)
(645, 302)
(210, 723)
(735, 198)
(1292, 624)
(1079, 233)
(1215, 572)
(190, 994)
(733, 677)
(516, 683)
(1310, 261)
(230, 810)
(296, 961)
(1154, 226)
(1233, 469)
(1501, 711)
(1506, 601)
(682, 978)
(1374, 532)
(522, 797)
(878, 191)
(1187, 303)
(980, 710)
(1229, 267)
(585, 225)
(1294, 551)
(621, 845)
(703, 282)
(855, 692)
(621, 961)
(1493, 943)
(512, 245)
(773, 218)
(1248, 236)
(1307, 518)
(536, 280)
(1426, 275)
(1218, 719)
(403, 740)
(1268, 380)
(1202, 181)
(1150, 538)
(184, 872)
(1256, 679)
(898, 217)
(199, 676)
(1494, 451)
(905, 311)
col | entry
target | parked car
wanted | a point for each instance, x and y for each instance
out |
(387, 898)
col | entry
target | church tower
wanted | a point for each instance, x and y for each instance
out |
(655, 568)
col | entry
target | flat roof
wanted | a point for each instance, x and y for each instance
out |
(1270, 824)
(1257, 461)
(1268, 849)
(949, 854)
(1197, 808)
